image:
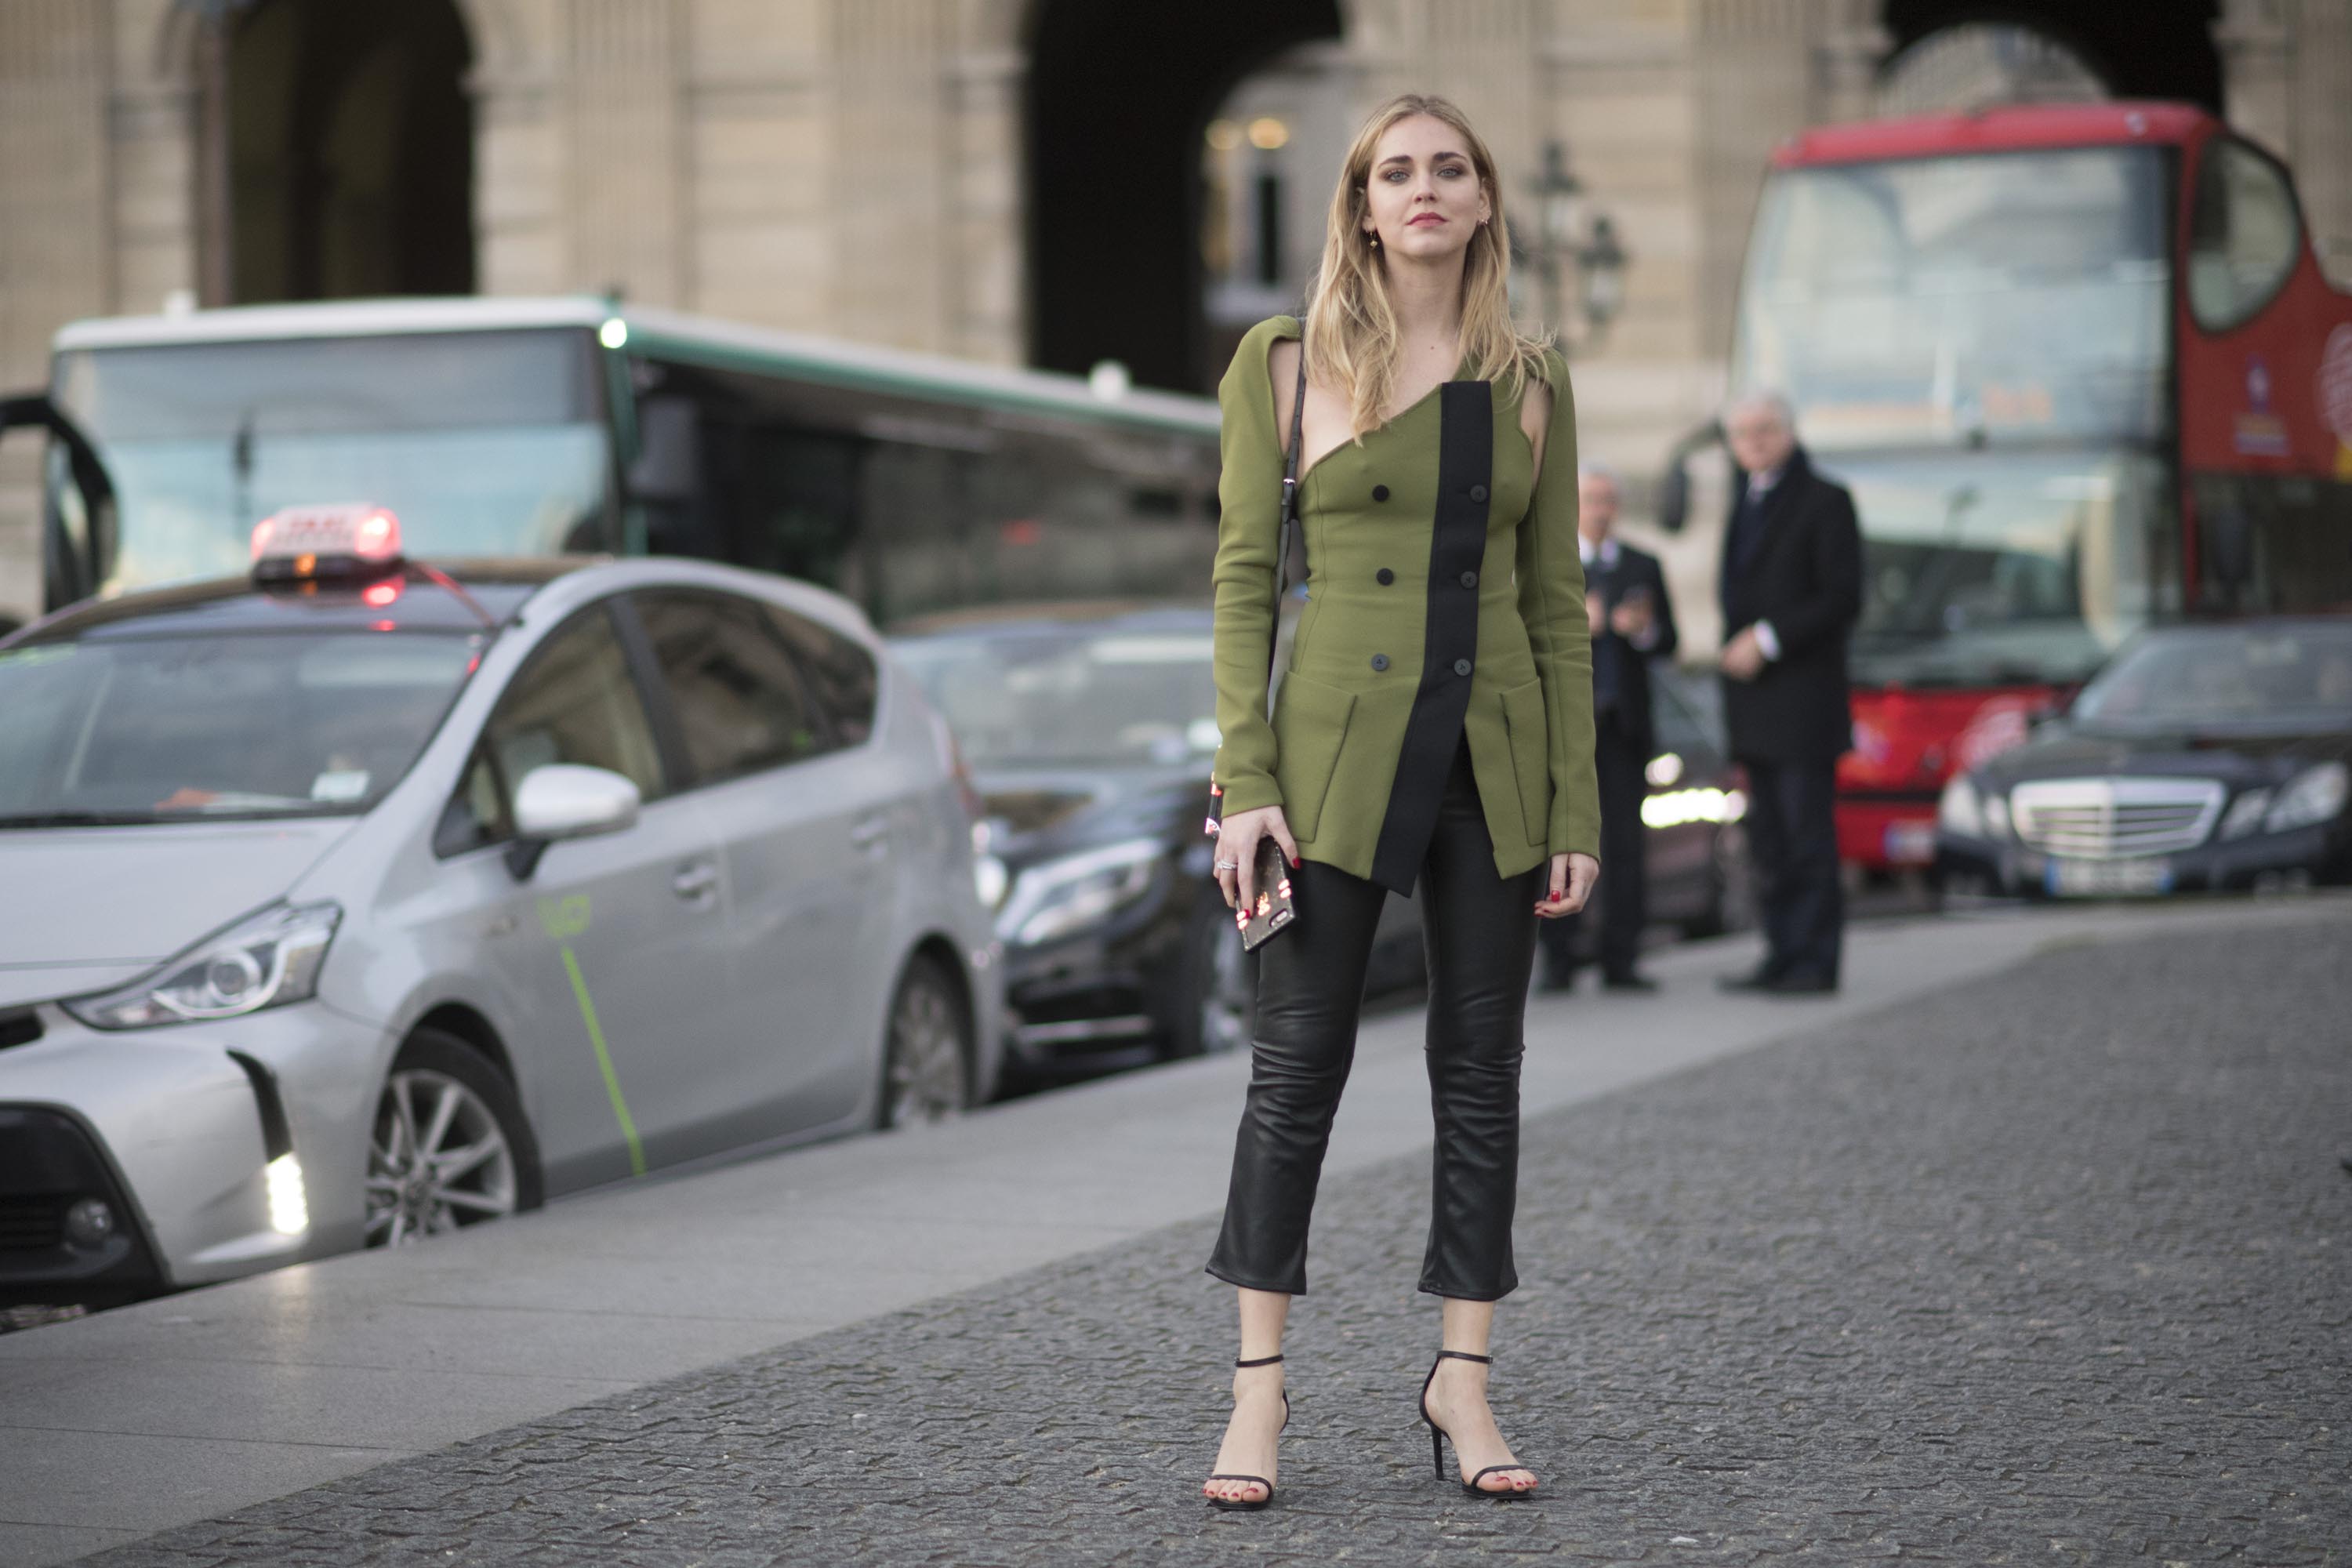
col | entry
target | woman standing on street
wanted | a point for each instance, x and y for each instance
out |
(1435, 722)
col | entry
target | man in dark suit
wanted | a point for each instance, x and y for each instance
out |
(1791, 593)
(1632, 622)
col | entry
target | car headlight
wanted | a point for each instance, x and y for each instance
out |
(267, 961)
(1962, 811)
(1995, 810)
(2245, 814)
(988, 880)
(1059, 897)
(2313, 795)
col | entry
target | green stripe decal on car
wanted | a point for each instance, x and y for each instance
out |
(604, 1062)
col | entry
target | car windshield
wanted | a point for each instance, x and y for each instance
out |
(481, 443)
(2266, 676)
(2004, 569)
(1055, 698)
(169, 728)
(1924, 298)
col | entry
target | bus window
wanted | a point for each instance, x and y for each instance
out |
(2244, 235)
(730, 469)
(2010, 293)
(906, 502)
(2022, 569)
(488, 443)
(2273, 543)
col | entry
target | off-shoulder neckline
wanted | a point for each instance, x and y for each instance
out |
(1296, 332)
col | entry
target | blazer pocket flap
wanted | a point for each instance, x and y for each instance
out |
(1310, 720)
(1530, 731)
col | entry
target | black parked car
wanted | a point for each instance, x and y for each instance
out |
(1089, 730)
(2201, 757)
(1698, 848)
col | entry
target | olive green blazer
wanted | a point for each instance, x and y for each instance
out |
(1330, 752)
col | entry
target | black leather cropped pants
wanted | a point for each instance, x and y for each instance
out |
(1478, 931)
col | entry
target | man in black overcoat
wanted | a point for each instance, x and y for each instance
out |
(1632, 622)
(1791, 593)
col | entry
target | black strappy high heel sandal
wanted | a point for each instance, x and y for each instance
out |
(1438, 1435)
(1243, 1504)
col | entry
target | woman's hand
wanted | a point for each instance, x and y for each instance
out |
(1237, 856)
(1572, 877)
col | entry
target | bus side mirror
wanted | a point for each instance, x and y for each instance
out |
(73, 565)
(1674, 484)
(1673, 496)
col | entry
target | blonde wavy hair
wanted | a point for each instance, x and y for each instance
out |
(1352, 326)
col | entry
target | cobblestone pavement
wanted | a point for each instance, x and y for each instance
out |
(2051, 1269)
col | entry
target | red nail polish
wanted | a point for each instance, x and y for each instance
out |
(1294, 859)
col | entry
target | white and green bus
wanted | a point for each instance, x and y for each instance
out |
(523, 427)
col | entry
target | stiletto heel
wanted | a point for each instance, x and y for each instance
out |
(1438, 1435)
(1238, 1505)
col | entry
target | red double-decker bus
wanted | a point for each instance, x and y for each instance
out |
(2082, 371)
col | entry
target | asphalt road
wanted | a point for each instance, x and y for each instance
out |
(2049, 1266)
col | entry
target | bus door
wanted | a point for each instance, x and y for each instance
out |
(77, 529)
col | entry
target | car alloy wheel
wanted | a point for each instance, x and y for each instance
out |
(927, 1076)
(437, 1160)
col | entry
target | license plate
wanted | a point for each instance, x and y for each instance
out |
(2107, 878)
(1910, 843)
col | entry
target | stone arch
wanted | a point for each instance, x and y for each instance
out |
(2150, 48)
(499, 31)
(1115, 105)
(350, 150)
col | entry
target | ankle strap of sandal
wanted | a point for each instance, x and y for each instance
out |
(1466, 1355)
(1261, 1360)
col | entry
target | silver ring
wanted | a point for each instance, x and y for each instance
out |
(1228, 865)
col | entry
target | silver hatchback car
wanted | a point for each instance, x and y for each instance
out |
(364, 904)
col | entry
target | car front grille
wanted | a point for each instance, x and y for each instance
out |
(2115, 819)
(27, 1225)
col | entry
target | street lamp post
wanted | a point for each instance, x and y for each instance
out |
(1576, 236)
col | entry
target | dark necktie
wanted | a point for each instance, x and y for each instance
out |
(1608, 647)
(1746, 528)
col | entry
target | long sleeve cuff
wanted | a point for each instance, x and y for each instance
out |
(1768, 639)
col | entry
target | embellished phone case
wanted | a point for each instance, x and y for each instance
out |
(1274, 911)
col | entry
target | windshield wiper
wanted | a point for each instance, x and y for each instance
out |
(78, 820)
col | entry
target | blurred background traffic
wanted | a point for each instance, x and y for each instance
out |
(917, 304)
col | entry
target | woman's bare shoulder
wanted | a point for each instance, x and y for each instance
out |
(1282, 353)
(1535, 416)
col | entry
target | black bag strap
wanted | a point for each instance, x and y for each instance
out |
(1289, 503)
(1282, 559)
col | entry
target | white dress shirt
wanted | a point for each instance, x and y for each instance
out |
(1767, 639)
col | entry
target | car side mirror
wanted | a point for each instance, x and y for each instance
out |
(564, 800)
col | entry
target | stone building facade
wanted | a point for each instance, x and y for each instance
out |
(1016, 180)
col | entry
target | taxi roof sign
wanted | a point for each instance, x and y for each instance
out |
(348, 538)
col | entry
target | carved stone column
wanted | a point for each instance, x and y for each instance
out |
(888, 195)
(2254, 37)
(624, 175)
(985, 212)
(57, 256)
(56, 244)
(521, 228)
(2286, 79)
(1850, 48)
